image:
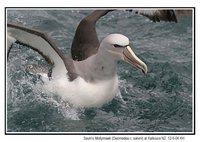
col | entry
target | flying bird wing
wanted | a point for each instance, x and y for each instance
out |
(158, 15)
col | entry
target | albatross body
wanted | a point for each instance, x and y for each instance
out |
(81, 93)
(89, 78)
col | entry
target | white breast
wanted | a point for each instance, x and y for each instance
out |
(80, 93)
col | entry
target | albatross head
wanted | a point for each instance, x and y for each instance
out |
(118, 47)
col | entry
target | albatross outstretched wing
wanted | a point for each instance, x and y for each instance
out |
(86, 43)
(41, 43)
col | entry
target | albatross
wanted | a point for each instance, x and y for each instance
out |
(88, 78)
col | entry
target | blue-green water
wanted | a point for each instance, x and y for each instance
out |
(160, 101)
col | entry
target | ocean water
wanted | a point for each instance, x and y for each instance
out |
(160, 101)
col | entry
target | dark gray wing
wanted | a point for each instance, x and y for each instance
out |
(158, 15)
(41, 43)
(85, 42)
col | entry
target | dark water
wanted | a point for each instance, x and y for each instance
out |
(160, 101)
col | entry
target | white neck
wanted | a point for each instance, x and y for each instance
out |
(101, 66)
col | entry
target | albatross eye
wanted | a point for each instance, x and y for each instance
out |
(119, 46)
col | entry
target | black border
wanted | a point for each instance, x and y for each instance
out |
(103, 133)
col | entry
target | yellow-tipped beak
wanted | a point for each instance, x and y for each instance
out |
(131, 58)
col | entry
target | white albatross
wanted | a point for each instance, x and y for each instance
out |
(89, 78)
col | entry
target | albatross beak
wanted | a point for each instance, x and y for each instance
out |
(131, 58)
